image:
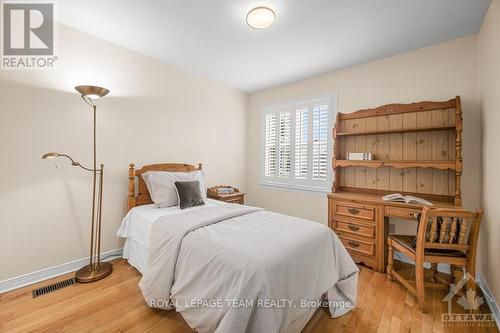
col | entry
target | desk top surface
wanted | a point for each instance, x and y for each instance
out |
(377, 199)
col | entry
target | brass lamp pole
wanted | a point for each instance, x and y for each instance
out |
(96, 269)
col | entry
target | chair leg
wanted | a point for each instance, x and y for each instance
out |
(452, 274)
(419, 279)
(390, 260)
(471, 269)
(434, 272)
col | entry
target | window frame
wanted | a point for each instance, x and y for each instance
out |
(292, 184)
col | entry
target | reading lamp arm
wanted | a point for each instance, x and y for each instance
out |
(73, 162)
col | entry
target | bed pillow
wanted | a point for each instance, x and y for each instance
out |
(161, 185)
(189, 194)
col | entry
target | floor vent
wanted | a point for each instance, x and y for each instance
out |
(53, 287)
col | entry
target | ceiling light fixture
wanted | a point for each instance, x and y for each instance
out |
(261, 17)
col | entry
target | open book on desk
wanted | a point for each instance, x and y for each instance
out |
(409, 199)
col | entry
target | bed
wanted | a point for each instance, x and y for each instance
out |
(233, 268)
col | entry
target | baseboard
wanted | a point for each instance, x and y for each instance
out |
(490, 300)
(47, 273)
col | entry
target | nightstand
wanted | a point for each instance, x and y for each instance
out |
(236, 197)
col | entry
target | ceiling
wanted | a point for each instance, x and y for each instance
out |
(210, 38)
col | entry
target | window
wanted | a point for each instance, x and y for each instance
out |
(298, 144)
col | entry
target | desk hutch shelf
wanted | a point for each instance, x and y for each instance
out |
(417, 150)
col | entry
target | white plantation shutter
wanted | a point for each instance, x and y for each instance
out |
(297, 145)
(320, 143)
(301, 143)
(270, 145)
(285, 145)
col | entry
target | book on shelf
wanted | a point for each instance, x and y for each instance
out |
(225, 190)
(409, 199)
(360, 156)
(221, 190)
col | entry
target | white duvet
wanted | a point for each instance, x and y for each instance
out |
(233, 268)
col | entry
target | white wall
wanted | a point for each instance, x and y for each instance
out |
(437, 73)
(154, 113)
(489, 61)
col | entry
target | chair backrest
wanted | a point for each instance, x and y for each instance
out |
(447, 229)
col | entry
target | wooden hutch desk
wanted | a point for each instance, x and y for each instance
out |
(418, 151)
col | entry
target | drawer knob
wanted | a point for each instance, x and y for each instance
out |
(353, 227)
(353, 243)
(353, 211)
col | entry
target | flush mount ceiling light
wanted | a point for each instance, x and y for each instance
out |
(261, 17)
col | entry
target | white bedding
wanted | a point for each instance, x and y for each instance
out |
(136, 229)
(139, 220)
(222, 256)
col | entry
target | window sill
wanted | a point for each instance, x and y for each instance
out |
(315, 191)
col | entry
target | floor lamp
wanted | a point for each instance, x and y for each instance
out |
(96, 269)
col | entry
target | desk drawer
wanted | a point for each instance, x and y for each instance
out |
(365, 246)
(405, 213)
(357, 211)
(367, 230)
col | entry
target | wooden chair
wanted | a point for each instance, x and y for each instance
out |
(441, 238)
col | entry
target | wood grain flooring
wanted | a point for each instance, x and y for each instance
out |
(115, 304)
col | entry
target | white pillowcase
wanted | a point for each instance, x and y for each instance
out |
(161, 185)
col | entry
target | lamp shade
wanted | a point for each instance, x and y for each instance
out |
(92, 91)
(50, 155)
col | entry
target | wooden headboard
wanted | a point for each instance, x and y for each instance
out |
(142, 197)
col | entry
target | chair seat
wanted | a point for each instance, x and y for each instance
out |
(407, 241)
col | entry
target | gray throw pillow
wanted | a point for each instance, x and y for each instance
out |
(189, 194)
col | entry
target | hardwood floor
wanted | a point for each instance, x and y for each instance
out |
(115, 304)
